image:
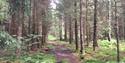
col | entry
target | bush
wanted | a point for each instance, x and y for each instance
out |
(106, 44)
(7, 41)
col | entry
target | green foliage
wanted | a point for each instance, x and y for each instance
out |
(89, 49)
(39, 58)
(51, 37)
(64, 61)
(27, 7)
(94, 61)
(106, 44)
(3, 9)
(123, 59)
(106, 53)
(98, 61)
(7, 41)
(34, 58)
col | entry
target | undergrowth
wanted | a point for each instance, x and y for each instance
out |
(30, 58)
(105, 53)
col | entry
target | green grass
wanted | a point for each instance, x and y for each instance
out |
(32, 58)
(105, 53)
(51, 37)
(64, 61)
(94, 61)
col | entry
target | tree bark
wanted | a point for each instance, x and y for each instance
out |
(95, 26)
(70, 30)
(116, 33)
(65, 28)
(109, 21)
(76, 25)
(81, 25)
(60, 28)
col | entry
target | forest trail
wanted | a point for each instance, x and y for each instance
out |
(63, 53)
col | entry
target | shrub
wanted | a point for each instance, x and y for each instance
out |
(7, 41)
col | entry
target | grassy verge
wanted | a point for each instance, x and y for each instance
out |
(30, 58)
(105, 53)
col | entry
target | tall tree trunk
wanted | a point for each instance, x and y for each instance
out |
(65, 28)
(17, 20)
(123, 4)
(116, 33)
(21, 18)
(34, 2)
(95, 26)
(13, 24)
(70, 30)
(81, 29)
(45, 23)
(109, 21)
(87, 25)
(76, 25)
(60, 27)
(29, 17)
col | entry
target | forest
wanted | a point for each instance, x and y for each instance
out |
(62, 31)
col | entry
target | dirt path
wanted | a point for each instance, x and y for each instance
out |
(63, 53)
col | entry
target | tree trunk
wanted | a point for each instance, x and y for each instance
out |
(95, 26)
(116, 32)
(70, 30)
(60, 27)
(87, 25)
(109, 21)
(65, 26)
(76, 25)
(81, 29)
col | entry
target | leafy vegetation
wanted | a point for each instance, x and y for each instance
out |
(3, 9)
(51, 37)
(7, 41)
(106, 53)
(32, 58)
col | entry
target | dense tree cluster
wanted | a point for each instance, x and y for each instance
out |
(80, 22)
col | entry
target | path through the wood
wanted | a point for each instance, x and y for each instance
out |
(63, 53)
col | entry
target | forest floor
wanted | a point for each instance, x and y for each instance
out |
(53, 52)
(63, 53)
(105, 52)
